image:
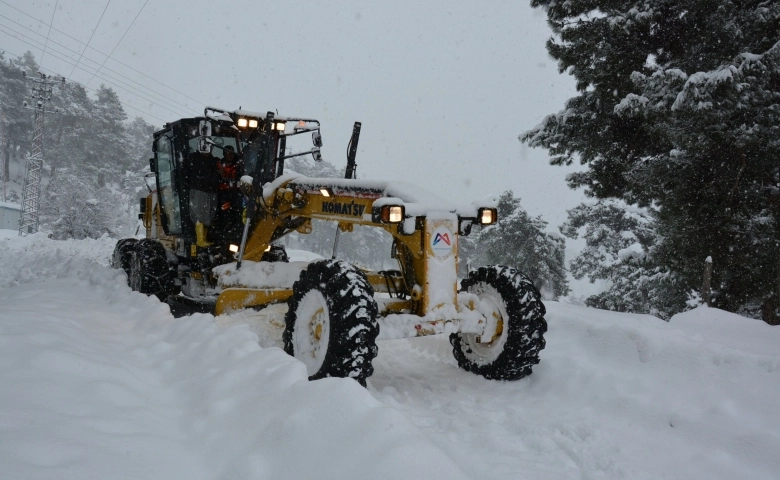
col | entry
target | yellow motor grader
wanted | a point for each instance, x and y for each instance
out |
(221, 200)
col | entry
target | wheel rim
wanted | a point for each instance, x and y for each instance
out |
(312, 331)
(491, 303)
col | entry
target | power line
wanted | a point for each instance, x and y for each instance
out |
(93, 90)
(107, 80)
(163, 98)
(47, 33)
(90, 37)
(110, 80)
(120, 40)
(176, 108)
(199, 102)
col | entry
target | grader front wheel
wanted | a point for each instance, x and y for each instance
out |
(514, 349)
(331, 322)
(123, 252)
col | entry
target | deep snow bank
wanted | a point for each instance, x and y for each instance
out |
(615, 396)
(101, 382)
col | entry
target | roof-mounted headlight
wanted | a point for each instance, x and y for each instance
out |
(242, 122)
(487, 216)
(252, 123)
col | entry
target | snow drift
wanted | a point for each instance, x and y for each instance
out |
(101, 382)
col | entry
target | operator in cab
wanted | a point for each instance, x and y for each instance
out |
(203, 183)
(229, 199)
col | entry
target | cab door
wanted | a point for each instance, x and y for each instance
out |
(167, 189)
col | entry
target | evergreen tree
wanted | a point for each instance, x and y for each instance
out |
(678, 108)
(109, 142)
(519, 240)
(140, 145)
(620, 243)
(16, 121)
(75, 207)
(69, 131)
(90, 141)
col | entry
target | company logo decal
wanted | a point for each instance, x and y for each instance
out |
(351, 209)
(442, 242)
(442, 238)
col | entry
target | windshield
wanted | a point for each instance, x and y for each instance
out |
(217, 147)
(251, 151)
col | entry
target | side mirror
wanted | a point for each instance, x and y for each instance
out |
(204, 145)
(316, 155)
(204, 128)
(152, 166)
(316, 139)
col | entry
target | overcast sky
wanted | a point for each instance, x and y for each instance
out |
(443, 88)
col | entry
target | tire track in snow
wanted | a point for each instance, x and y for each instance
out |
(486, 424)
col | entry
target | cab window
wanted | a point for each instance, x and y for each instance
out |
(166, 188)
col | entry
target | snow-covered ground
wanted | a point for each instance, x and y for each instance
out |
(100, 382)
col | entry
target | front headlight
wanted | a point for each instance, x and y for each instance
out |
(487, 216)
(392, 214)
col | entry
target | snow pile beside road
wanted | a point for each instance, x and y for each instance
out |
(101, 382)
(36, 257)
(615, 396)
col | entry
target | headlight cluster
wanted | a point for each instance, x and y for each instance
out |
(247, 122)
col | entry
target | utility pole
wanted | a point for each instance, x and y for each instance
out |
(2, 148)
(31, 194)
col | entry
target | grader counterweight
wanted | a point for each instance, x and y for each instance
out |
(211, 238)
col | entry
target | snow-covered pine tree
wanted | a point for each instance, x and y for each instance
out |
(89, 139)
(519, 240)
(678, 108)
(110, 144)
(68, 132)
(75, 207)
(16, 121)
(620, 243)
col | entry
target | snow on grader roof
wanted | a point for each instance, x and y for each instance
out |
(208, 217)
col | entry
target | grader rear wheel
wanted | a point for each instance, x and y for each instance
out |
(150, 272)
(331, 322)
(519, 338)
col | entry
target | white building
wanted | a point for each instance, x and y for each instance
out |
(10, 213)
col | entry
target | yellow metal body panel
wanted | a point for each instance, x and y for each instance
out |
(288, 210)
(237, 298)
(292, 209)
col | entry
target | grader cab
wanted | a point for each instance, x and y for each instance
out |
(212, 232)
